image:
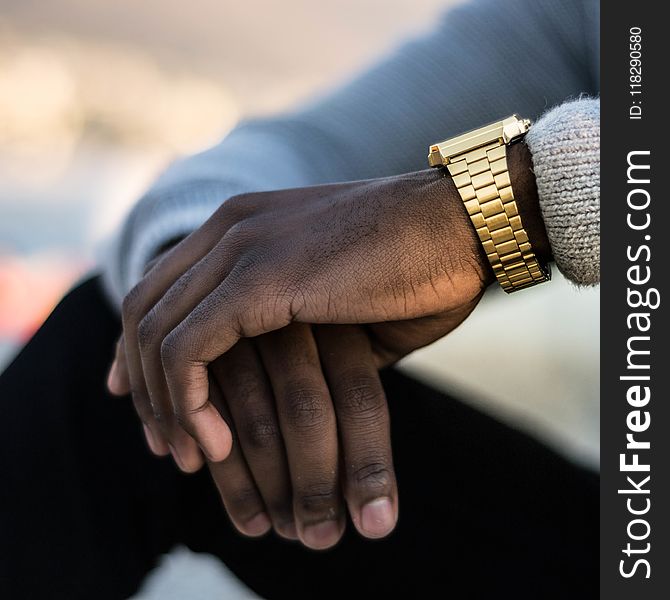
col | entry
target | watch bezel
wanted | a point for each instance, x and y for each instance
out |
(505, 131)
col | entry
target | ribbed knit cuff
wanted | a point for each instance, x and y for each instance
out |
(565, 147)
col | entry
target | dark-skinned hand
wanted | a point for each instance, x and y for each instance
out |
(268, 324)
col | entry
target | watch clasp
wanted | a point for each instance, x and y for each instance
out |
(514, 127)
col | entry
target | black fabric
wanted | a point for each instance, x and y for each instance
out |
(85, 511)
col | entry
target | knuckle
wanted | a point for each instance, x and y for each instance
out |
(147, 330)
(361, 398)
(248, 264)
(304, 407)
(375, 476)
(178, 287)
(238, 205)
(260, 432)
(184, 418)
(262, 313)
(241, 232)
(242, 377)
(318, 499)
(151, 264)
(242, 499)
(170, 348)
(133, 302)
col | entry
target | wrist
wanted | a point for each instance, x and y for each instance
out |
(526, 195)
(458, 238)
(479, 164)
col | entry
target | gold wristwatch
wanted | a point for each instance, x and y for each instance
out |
(477, 162)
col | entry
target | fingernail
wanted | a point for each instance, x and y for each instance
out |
(257, 525)
(377, 518)
(321, 535)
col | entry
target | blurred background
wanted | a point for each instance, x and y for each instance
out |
(97, 97)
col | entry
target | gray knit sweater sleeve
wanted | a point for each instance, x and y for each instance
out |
(484, 60)
(565, 145)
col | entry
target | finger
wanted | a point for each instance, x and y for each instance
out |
(240, 306)
(364, 428)
(161, 428)
(158, 417)
(118, 382)
(241, 377)
(236, 485)
(179, 444)
(175, 305)
(308, 425)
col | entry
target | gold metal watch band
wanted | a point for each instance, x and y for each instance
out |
(483, 182)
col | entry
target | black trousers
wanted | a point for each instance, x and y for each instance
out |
(85, 510)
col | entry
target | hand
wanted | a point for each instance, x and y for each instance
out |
(289, 481)
(293, 482)
(288, 459)
(394, 249)
(242, 228)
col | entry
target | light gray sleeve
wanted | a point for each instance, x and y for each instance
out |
(486, 59)
(565, 146)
